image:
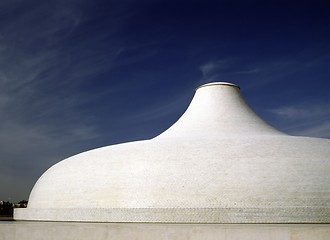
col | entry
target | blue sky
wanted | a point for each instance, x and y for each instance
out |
(77, 74)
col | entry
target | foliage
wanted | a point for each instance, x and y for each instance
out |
(7, 208)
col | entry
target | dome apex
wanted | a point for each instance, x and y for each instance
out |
(217, 84)
(218, 109)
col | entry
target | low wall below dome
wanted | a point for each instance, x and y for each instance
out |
(178, 215)
(121, 231)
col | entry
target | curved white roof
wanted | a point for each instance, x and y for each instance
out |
(219, 163)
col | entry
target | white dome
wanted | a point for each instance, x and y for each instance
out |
(219, 163)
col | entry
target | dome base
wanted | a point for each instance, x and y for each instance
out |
(178, 215)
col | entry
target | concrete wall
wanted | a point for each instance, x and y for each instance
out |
(81, 231)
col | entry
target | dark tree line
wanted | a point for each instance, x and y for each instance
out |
(7, 208)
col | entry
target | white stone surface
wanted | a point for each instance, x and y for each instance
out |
(125, 231)
(219, 163)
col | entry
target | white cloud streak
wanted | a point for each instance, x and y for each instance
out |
(263, 72)
(210, 69)
(303, 111)
(250, 71)
(309, 119)
(38, 110)
(222, 70)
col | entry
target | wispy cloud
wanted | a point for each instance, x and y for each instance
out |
(226, 69)
(250, 71)
(263, 71)
(303, 111)
(47, 63)
(208, 69)
(211, 69)
(308, 119)
(321, 130)
(39, 112)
